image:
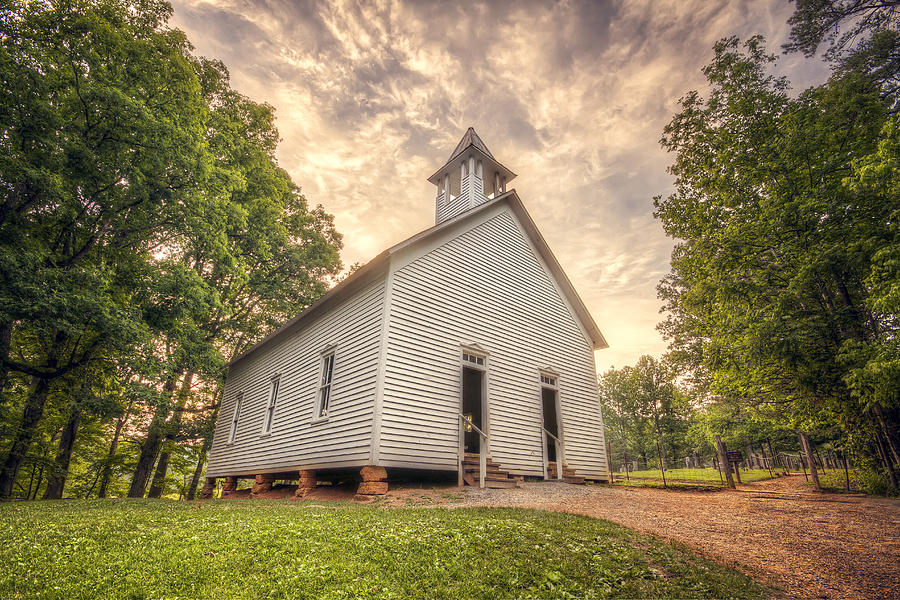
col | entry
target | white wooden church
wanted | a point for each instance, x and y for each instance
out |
(464, 349)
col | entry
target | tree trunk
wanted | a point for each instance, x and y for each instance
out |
(201, 462)
(748, 448)
(885, 460)
(40, 480)
(807, 449)
(660, 446)
(150, 449)
(889, 432)
(204, 451)
(113, 446)
(57, 481)
(5, 340)
(723, 461)
(34, 409)
(159, 478)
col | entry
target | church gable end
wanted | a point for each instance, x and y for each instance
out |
(484, 284)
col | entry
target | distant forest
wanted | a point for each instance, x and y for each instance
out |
(783, 298)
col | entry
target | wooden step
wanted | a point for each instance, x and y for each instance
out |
(568, 474)
(489, 466)
(494, 476)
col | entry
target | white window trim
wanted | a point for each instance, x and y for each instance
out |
(318, 417)
(235, 418)
(476, 351)
(274, 391)
(552, 375)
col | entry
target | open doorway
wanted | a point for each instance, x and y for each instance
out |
(472, 407)
(551, 421)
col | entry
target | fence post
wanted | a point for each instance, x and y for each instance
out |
(811, 459)
(766, 460)
(661, 470)
(846, 469)
(723, 461)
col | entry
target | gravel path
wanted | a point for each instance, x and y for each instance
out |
(811, 545)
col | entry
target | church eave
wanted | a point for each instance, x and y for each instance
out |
(498, 166)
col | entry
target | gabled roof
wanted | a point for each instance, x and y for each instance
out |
(378, 265)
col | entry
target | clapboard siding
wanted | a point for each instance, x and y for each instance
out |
(450, 206)
(485, 286)
(354, 326)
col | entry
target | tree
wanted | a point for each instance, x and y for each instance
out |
(102, 134)
(861, 35)
(642, 405)
(262, 257)
(147, 235)
(769, 294)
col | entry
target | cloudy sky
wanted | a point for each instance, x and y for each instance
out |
(371, 99)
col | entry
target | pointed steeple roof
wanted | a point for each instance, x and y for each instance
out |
(469, 138)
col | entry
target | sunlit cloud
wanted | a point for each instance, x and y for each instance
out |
(372, 97)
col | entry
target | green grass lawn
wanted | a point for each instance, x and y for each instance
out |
(699, 475)
(280, 549)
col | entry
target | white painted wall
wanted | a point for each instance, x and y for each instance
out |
(471, 194)
(484, 283)
(295, 442)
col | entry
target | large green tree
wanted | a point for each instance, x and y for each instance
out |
(858, 36)
(102, 149)
(769, 296)
(147, 235)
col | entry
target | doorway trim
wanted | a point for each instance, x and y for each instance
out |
(475, 357)
(549, 379)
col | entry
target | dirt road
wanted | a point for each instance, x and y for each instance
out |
(811, 545)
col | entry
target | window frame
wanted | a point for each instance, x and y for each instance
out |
(474, 360)
(548, 378)
(235, 418)
(318, 415)
(269, 415)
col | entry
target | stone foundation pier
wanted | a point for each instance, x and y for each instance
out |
(262, 484)
(206, 492)
(374, 481)
(306, 484)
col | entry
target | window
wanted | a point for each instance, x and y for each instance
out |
(235, 417)
(548, 380)
(270, 409)
(475, 360)
(325, 385)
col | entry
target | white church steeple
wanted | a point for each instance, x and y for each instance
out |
(471, 177)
